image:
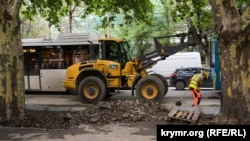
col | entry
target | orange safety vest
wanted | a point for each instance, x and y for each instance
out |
(195, 82)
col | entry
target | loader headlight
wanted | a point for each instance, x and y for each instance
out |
(113, 66)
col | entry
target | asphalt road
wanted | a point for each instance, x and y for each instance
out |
(64, 102)
(68, 99)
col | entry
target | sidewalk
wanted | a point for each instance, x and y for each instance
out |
(114, 132)
(91, 132)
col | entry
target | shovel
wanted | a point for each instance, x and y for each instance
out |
(178, 103)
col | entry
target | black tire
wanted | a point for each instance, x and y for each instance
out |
(92, 89)
(164, 81)
(108, 95)
(150, 88)
(180, 85)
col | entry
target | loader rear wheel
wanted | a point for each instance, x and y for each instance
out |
(164, 81)
(92, 89)
(150, 88)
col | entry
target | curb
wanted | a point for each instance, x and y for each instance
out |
(53, 108)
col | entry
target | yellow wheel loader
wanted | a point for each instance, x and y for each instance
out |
(95, 80)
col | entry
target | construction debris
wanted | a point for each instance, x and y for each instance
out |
(105, 113)
(101, 113)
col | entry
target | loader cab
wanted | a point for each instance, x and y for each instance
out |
(114, 49)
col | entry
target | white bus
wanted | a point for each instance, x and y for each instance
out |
(46, 60)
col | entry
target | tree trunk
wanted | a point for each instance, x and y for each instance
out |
(235, 81)
(233, 32)
(12, 94)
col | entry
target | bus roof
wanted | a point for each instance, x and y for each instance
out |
(64, 39)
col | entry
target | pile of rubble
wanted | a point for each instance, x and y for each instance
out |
(123, 111)
(101, 113)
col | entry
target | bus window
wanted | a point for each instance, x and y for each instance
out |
(76, 59)
(52, 58)
(75, 54)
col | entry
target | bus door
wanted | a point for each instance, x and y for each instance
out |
(52, 71)
(31, 70)
(55, 60)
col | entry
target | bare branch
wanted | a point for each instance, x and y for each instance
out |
(246, 18)
(207, 32)
(11, 6)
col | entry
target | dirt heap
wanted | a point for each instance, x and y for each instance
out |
(101, 113)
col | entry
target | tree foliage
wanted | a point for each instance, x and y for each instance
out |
(197, 13)
(53, 10)
(141, 35)
(198, 10)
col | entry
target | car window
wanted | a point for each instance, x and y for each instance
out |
(178, 70)
(191, 70)
(198, 70)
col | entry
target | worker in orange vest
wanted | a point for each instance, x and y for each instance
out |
(194, 86)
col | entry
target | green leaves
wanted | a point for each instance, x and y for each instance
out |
(198, 10)
(53, 10)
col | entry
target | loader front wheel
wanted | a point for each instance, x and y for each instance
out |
(92, 89)
(150, 88)
(164, 81)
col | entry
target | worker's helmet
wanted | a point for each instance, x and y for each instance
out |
(205, 74)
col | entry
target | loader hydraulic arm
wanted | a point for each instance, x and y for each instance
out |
(185, 40)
